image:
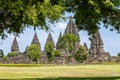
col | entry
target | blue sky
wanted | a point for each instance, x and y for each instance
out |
(111, 39)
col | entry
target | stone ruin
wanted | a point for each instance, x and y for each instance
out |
(96, 51)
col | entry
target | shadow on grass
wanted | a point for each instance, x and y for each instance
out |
(68, 78)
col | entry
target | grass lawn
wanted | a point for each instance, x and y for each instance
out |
(78, 72)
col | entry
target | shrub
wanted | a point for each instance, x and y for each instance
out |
(34, 52)
(49, 48)
(12, 54)
(81, 54)
(5, 58)
(119, 54)
(56, 53)
(68, 41)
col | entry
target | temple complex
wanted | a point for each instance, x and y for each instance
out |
(95, 52)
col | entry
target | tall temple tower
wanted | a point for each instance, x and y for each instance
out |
(36, 40)
(70, 29)
(15, 47)
(50, 39)
(96, 44)
(96, 47)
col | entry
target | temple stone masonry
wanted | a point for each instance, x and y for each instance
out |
(96, 51)
(50, 39)
(70, 29)
(36, 40)
(15, 47)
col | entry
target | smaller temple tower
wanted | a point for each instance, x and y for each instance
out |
(96, 44)
(96, 50)
(58, 42)
(50, 39)
(15, 47)
(36, 40)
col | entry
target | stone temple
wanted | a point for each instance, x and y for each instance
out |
(96, 51)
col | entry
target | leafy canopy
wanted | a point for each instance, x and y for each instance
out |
(34, 52)
(89, 14)
(16, 15)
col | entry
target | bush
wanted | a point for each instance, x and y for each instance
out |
(51, 52)
(81, 54)
(12, 54)
(5, 58)
(56, 53)
(119, 54)
(49, 48)
(68, 41)
(34, 52)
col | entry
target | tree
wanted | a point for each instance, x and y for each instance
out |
(49, 48)
(81, 54)
(119, 54)
(89, 14)
(12, 54)
(51, 52)
(34, 52)
(68, 41)
(16, 15)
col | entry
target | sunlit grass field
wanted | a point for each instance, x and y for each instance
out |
(61, 72)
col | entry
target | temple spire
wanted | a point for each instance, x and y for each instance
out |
(71, 27)
(15, 47)
(99, 37)
(96, 44)
(36, 40)
(50, 39)
(58, 42)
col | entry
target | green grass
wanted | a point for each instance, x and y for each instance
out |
(54, 72)
(26, 65)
